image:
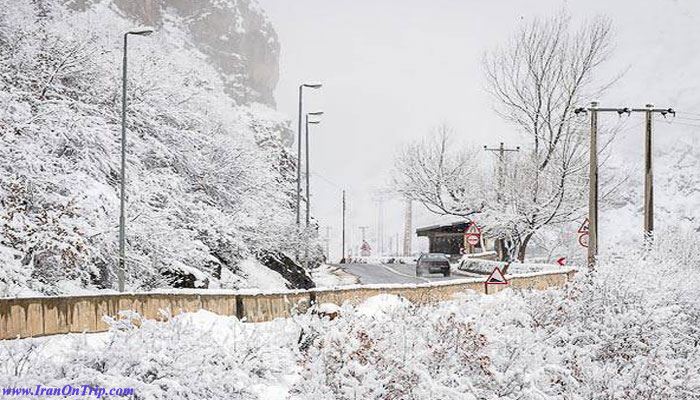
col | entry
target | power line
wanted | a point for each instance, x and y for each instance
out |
(687, 112)
(679, 123)
(327, 180)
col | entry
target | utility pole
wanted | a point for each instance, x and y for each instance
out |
(649, 111)
(363, 228)
(593, 177)
(407, 225)
(593, 188)
(501, 149)
(501, 167)
(380, 225)
(648, 176)
(328, 243)
(342, 254)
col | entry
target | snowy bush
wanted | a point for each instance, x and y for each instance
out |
(628, 330)
(188, 357)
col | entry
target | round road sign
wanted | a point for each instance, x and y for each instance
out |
(473, 239)
(583, 240)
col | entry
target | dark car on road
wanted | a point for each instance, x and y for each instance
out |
(433, 263)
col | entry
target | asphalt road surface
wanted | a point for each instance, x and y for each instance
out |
(391, 273)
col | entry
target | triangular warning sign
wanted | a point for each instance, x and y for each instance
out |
(472, 229)
(584, 227)
(496, 278)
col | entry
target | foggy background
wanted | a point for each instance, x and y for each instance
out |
(393, 70)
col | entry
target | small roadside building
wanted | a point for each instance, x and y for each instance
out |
(450, 239)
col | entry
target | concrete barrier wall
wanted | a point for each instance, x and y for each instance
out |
(40, 316)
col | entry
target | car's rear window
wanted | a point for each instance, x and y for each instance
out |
(434, 257)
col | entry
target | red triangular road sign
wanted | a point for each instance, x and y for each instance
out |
(472, 229)
(496, 278)
(584, 227)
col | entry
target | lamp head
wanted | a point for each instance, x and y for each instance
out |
(316, 113)
(141, 32)
(314, 85)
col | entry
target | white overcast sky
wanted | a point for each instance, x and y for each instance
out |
(392, 70)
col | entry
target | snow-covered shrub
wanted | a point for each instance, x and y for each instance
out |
(628, 330)
(392, 352)
(197, 356)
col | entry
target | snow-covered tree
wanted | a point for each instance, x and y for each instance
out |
(537, 80)
(440, 174)
(209, 179)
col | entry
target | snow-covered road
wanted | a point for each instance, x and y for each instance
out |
(390, 273)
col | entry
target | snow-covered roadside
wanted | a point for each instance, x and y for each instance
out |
(629, 330)
(191, 356)
(327, 276)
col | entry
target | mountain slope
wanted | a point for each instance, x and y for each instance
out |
(208, 174)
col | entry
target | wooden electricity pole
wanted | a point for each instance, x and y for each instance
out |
(407, 228)
(593, 110)
(593, 188)
(363, 229)
(500, 247)
(342, 254)
(648, 175)
(649, 111)
(501, 167)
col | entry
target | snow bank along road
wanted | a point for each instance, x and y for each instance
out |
(394, 273)
(40, 316)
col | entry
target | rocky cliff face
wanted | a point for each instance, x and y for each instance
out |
(235, 34)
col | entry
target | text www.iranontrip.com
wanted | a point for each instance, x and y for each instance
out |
(67, 390)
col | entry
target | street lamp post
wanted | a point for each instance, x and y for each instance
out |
(308, 168)
(301, 107)
(122, 222)
(308, 174)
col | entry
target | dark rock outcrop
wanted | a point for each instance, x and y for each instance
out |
(291, 271)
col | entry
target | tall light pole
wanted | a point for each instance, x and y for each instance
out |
(122, 221)
(301, 107)
(308, 168)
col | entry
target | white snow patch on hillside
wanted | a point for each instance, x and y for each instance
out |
(260, 276)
